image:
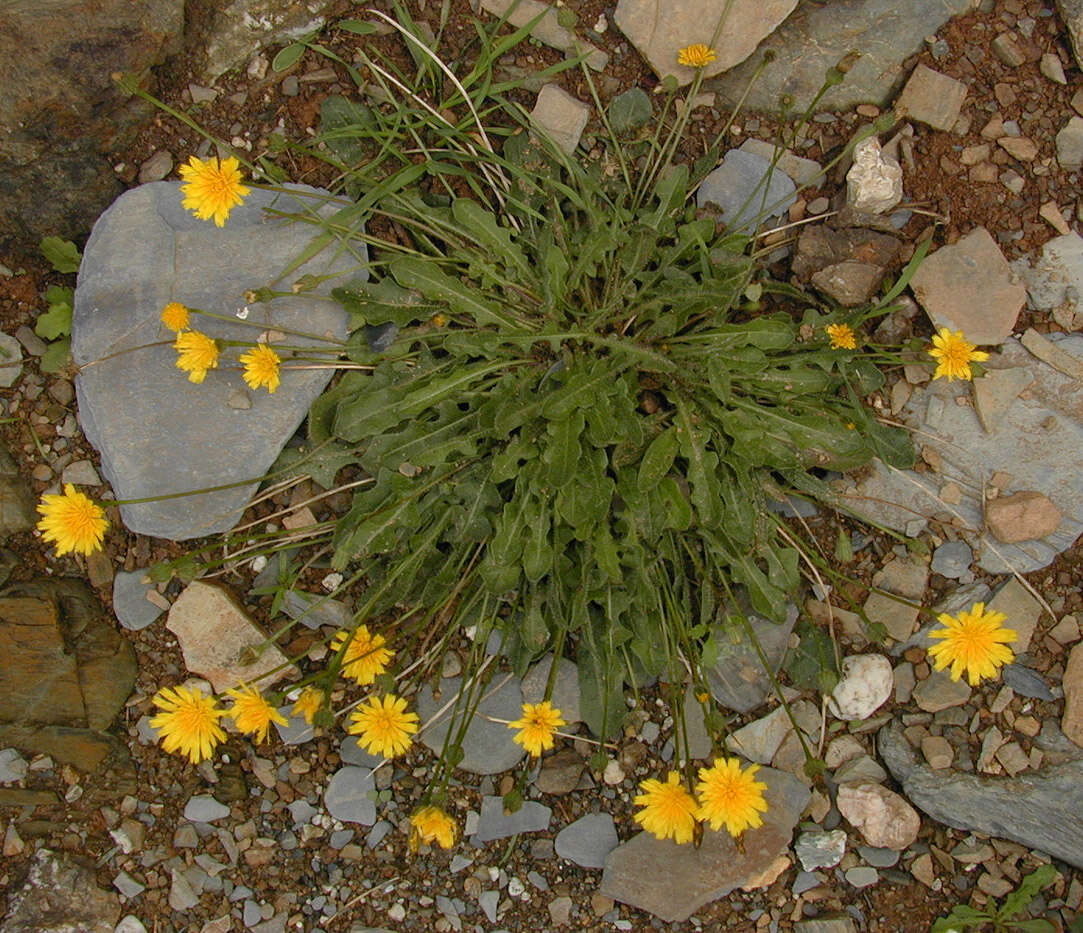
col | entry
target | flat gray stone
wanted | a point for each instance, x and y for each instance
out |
(760, 739)
(242, 26)
(1037, 443)
(159, 434)
(351, 753)
(565, 696)
(18, 507)
(1057, 276)
(13, 766)
(588, 840)
(938, 691)
(1039, 809)
(952, 559)
(747, 190)
(203, 808)
(488, 747)
(11, 360)
(546, 28)
(817, 35)
(130, 604)
(660, 29)
(737, 679)
(347, 796)
(494, 823)
(314, 611)
(691, 876)
(820, 850)
(296, 731)
(1026, 682)
(560, 116)
(932, 98)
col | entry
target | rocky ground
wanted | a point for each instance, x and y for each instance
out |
(303, 834)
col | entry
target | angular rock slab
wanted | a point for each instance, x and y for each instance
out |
(737, 679)
(157, 432)
(58, 895)
(817, 35)
(488, 747)
(674, 881)
(1037, 442)
(1039, 809)
(659, 29)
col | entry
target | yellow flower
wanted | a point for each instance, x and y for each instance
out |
(954, 354)
(974, 643)
(365, 658)
(175, 316)
(261, 367)
(536, 728)
(383, 726)
(308, 703)
(188, 722)
(252, 713)
(212, 188)
(696, 56)
(730, 797)
(842, 336)
(73, 521)
(431, 824)
(196, 353)
(668, 809)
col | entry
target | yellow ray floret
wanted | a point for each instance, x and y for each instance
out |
(669, 810)
(365, 657)
(974, 643)
(431, 824)
(175, 316)
(954, 354)
(696, 56)
(730, 796)
(536, 726)
(196, 353)
(842, 336)
(72, 521)
(382, 725)
(212, 188)
(188, 722)
(261, 365)
(252, 713)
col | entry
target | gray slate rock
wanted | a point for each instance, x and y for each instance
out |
(747, 189)
(1039, 809)
(314, 611)
(351, 753)
(347, 796)
(203, 808)
(13, 766)
(488, 747)
(158, 433)
(817, 35)
(738, 680)
(693, 877)
(242, 26)
(588, 840)
(18, 511)
(130, 604)
(494, 823)
(1037, 442)
(11, 360)
(296, 731)
(952, 559)
(1026, 682)
(820, 850)
(60, 896)
(565, 695)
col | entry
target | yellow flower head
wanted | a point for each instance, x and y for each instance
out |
(261, 367)
(175, 316)
(975, 643)
(383, 726)
(212, 188)
(668, 809)
(431, 824)
(252, 713)
(696, 56)
(308, 703)
(954, 355)
(536, 727)
(196, 353)
(730, 797)
(366, 658)
(72, 521)
(188, 722)
(842, 336)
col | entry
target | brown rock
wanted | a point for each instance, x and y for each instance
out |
(85, 749)
(849, 283)
(1023, 516)
(1019, 147)
(884, 818)
(60, 894)
(1071, 722)
(819, 247)
(560, 773)
(932, 98)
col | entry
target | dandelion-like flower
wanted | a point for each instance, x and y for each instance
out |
(382, 726)
(261, 367)
(536, 727)
(696, 56)
(308, 703)
(974, 644)
(954, 354)
(188, 722)
(431, 824)
(252, 713)
(669, 811)
(366, 658)
(212, 188)
(842, 336)
(730, 796)
(196, 353)
(175, 316)
(72, 521)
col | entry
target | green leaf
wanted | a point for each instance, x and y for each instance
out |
(63, 255)
(357, 26)
(658, 459)
(56, 322)
(630, 110)
(56, 357)
(482, 225)
(436, 285)
(1028, 889)
(288, 56)
(601, 697)
(344, 126)
(537, 552)
(702, 466)
(677, 508)
(1036, 925)
(811, 666)
(562, 451)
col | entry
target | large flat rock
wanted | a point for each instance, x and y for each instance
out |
(159, 434)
